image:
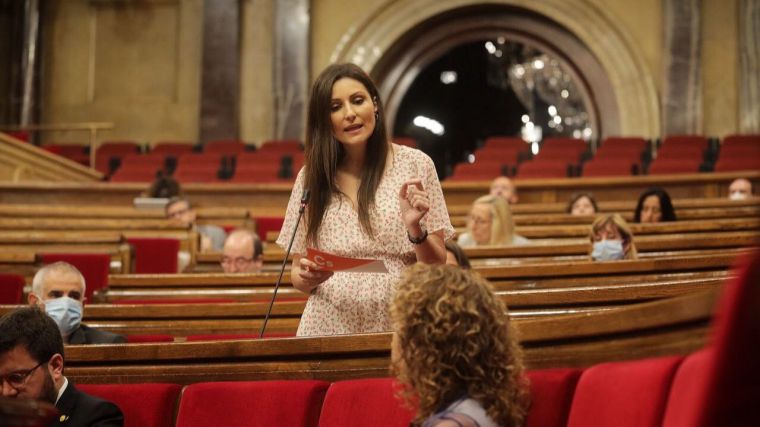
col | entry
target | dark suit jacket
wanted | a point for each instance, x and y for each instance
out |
(87, 335)
(78, 409)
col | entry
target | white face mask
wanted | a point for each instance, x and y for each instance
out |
(608, 250)
(67, 313)
(737, 195)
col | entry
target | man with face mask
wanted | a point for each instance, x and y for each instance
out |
(58, 289)
(31, 367)
(740, 189)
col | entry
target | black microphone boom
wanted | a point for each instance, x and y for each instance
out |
(304, 202)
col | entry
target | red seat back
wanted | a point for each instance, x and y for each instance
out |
(252, 403)
(733, 383)
(148, 338)
(364, 403)
(265, 224)
(11, 288)
(551, 393)
(623, 394)
(94, 268)
(155, 255)
(143, 405)
(688, 390)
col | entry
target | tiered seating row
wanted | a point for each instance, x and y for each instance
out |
(559, 398)
(616, 156)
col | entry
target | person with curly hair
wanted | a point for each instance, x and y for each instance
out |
(454, 350)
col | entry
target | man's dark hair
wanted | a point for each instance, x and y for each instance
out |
(258, 247)
(32, 328)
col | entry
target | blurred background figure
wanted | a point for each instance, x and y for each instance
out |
(582, 204)
(740, 189)
(612, 239)
(178, 210)
(243, 252)
(490, 223)
(654, 206)
(455, 351)
(504, 188)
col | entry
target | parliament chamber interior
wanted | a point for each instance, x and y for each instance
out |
(114, 111)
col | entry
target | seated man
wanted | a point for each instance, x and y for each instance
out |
(504, 188)
(58, 289)
(180, 211)
(31, 367)
(243, 252)
(740, 189)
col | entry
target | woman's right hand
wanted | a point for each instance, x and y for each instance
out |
(306, 275)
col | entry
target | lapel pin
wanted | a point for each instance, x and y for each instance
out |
(63, 418)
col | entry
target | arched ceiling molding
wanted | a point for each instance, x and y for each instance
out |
(634, 87)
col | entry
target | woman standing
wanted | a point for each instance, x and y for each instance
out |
(368, 199)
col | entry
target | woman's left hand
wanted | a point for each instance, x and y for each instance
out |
(414, 202)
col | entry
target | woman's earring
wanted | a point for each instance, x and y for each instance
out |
(377, 115)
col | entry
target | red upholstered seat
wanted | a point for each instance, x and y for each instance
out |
(11, 288)
(252, 404)
(733, 383)
(285, 145)
(483, 170)
(143, 405)
(155, 255)
(148, 338)
(609, 167)
(364, 403)
(688, 390)
(543, 169)
(94, 268)
(265, 224)
(227, 147)
(623, 394)
(666, 166)
(551, 393)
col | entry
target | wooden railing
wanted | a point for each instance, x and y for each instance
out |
(92, 128)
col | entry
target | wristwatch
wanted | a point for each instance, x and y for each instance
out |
(417, 240)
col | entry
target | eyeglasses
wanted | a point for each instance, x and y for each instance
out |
(18, 378)
(239, 262)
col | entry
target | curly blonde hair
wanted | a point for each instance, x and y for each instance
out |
(453, 338)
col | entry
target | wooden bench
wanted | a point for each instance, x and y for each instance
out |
(248, 287)
(670, 326)
(181, 320)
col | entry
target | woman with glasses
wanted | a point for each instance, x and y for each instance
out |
(490, 223)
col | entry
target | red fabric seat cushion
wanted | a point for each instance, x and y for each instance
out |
(94, 268)
(143, 405)
(688, 390)
(265, 224)
(622, 394)
(364, 403)
(733, 384)
(252, 403)
(551, 393)
(11, 288)
(155, 256)
(146, 338)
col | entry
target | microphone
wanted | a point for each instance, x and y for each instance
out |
(304, 202)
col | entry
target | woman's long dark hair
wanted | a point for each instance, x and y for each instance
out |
(324, 153)
(666, 206)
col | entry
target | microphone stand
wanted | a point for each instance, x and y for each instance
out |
(304, 202)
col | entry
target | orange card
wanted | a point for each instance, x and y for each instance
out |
(331, 262)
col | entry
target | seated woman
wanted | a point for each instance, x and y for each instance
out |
(654, 206)
(582, 204)
(490, 223)
(612, 239)
(455, 255)
(454, 350)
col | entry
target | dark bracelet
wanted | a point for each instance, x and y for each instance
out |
(417, 240)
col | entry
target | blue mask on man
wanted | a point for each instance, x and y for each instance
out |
(67, 313)
(608, 250)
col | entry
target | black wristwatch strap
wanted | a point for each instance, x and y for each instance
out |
(417, 240)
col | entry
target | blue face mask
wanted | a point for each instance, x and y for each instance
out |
(608, 250)
(66, 312)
